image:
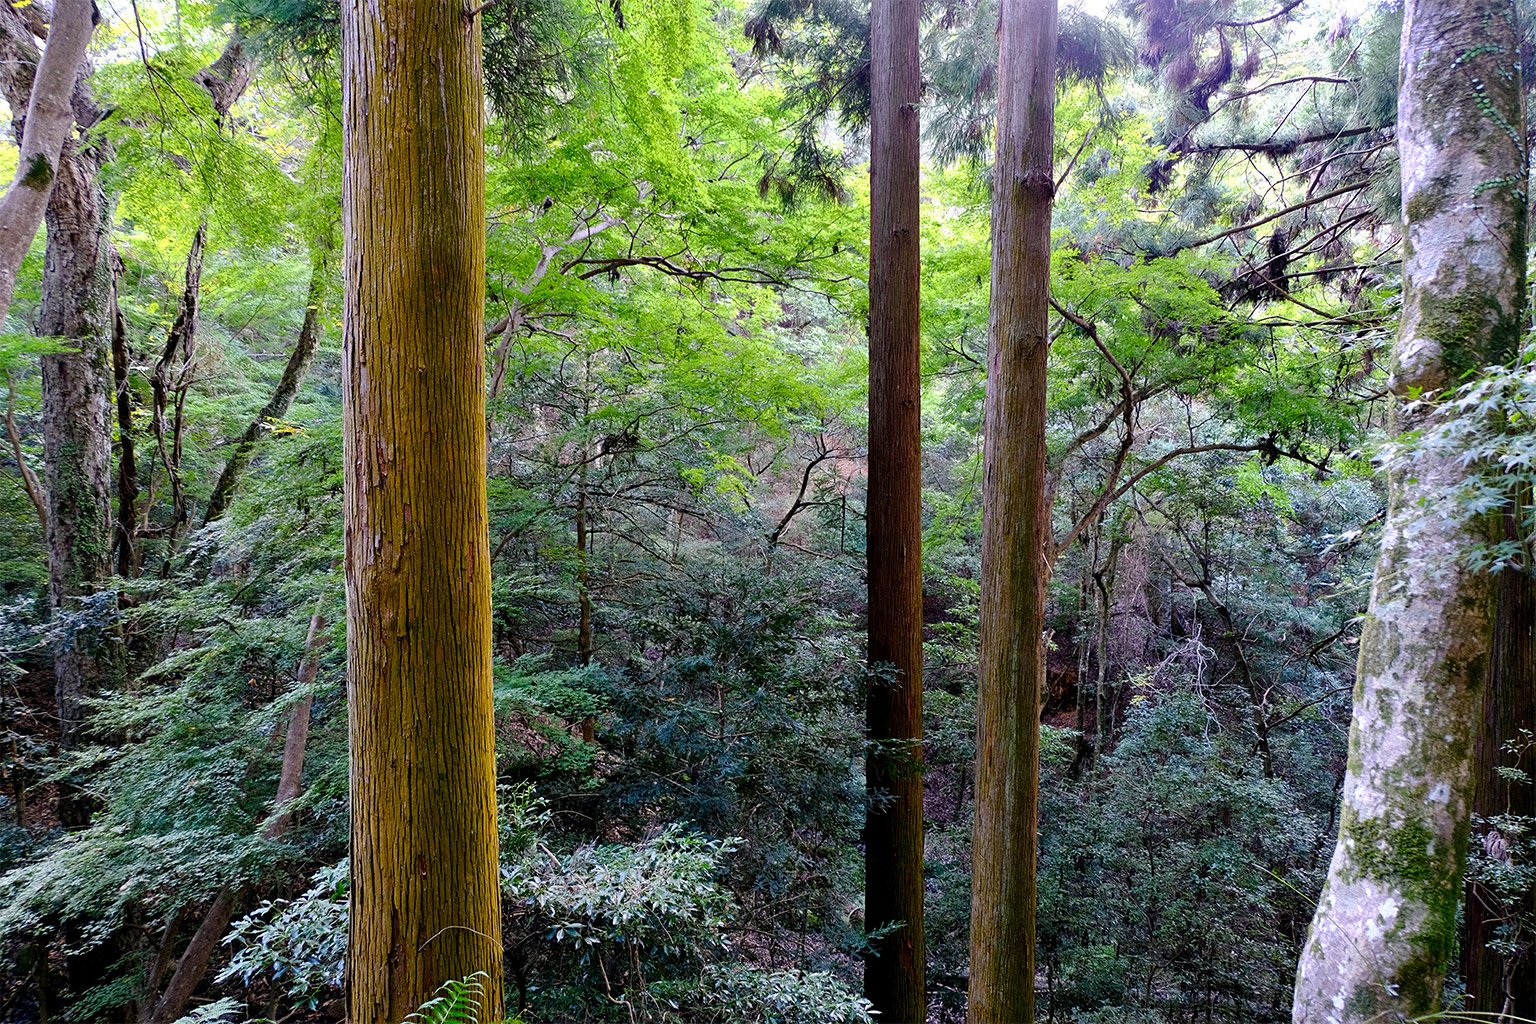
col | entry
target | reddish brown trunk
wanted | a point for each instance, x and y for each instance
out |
(1497, 983)
(893, 830)
(426, 895)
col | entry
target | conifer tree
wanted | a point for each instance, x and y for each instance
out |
(1015, 524)
(426, 903)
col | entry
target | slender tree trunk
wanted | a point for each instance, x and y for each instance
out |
(1015, 524)
(1499, 983)
(244, 447)
(42, 85)
(893, 829)
(193, 964)
(77, 306)
(36, 493)
(1385, 926)
(584, 589)
(127, 540)
(1103, 702)
(426, 901)
(225, 81)
(169, 384)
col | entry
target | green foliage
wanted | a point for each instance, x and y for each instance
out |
(220, 1011)
(458, 1001)
(297, 944)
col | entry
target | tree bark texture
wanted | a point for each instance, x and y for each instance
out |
(1385, 926)
(1015, 524)
(50, 121)
(1499, 983)
(127, 537)
(893, 829)
(77, 449)
(426, 902)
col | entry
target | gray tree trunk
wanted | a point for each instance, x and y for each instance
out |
(1385, 927)
(48, 81)
(76, 306)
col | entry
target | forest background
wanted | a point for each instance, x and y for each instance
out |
(678, 207)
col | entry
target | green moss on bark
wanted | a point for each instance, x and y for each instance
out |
(39, 174)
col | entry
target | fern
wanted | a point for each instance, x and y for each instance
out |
(222, 1011)
(456, 1002)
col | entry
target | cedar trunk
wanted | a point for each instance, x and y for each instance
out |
(1015, 524)
(1385, 927)
(1499, 983)
(893, 830)
(426, 903)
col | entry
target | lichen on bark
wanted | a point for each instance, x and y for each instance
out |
(1385, 926)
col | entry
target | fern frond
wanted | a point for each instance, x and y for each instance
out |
(457, 1002)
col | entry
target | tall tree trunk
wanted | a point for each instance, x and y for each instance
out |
(426, 902)
(893, 829)
(244, 447)
(1015, 524)
(1496, 982)
(1103, 700)
(1385, 927)
(44, 86)
(169, 385)
(77, 306)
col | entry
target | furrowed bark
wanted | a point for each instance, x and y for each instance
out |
(893, 828)
(1499, 982)
(426, 902)
(1015, 525)
(1385, 927)
(77, 450)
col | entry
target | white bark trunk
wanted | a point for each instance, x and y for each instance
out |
(48, 124)
(1386, 924)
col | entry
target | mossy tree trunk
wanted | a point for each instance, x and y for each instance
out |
(42, 85)
(426, 903)
(77, 306)
(1385, 927)
(893, 830)
(58, 182)
(1015, 524)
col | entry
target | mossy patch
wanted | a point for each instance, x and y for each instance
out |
(1472, 328)
(39, 174)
